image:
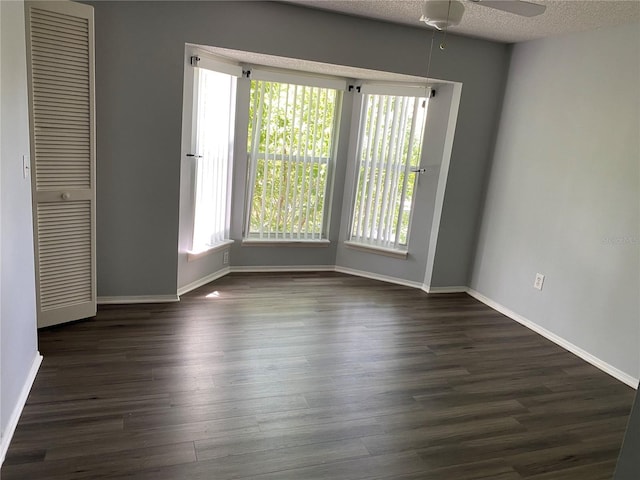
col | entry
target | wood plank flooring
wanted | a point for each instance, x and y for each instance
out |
(313, 376)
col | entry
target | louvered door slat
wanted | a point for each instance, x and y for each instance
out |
(69, 48)
(61, 84)
(61, 133)
(58, 99)
(59, 21)
(64, 36)
(66, 110)
(57, 71)
(62, 29)
(69, 160)
(58, 25)
(72, 102)
(78, 86)
(51, 86)
(52, 58)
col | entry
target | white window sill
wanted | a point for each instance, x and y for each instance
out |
(257, 242)
(389, 252)
(191, 256)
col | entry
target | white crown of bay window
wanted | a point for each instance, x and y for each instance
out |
(296, 78)
(395, 89)
(200, 59)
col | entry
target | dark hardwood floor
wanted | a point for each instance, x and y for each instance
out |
(314, 376)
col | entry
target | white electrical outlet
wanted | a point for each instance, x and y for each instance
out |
(225, 258)
(539, 281)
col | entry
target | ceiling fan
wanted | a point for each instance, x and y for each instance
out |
(445, 13)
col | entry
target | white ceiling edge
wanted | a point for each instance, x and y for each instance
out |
(560, 17)
(320, 68)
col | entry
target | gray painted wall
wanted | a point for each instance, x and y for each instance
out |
(17, 292)
(139, 70)
(563, 197)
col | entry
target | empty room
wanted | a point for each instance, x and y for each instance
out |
(313, 239)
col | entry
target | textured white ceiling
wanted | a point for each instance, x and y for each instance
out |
(478, 21)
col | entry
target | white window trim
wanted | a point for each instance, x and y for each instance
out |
(191, 256)
(389, 252)
(257, 242)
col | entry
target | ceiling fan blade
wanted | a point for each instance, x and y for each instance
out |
(518, 7)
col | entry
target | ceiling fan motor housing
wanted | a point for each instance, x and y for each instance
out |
(442, 13)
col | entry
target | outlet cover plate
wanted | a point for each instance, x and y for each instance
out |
(539, 281)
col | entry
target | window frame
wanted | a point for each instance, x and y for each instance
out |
(308, 80)
(419, 91)
(202, 61)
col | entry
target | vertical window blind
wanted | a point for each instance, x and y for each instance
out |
(291, 145)
(215, 110)
(390, 144)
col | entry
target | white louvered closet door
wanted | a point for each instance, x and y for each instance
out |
(60, 51)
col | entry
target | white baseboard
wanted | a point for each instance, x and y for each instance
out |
(376, 276)
(138, 299)
(428, 289)
(567, 345)
(283, 268)
(7, 435)
(203, 281)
